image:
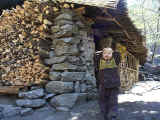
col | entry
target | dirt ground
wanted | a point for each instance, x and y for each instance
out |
(142, 102)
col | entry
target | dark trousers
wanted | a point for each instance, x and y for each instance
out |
(108, 102)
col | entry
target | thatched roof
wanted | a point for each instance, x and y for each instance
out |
(98, 3)
(116, 22)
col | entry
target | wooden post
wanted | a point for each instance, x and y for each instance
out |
(137, 65)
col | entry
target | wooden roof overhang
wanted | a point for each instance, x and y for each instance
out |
(120, 26)
(120, 31)
(117, 23)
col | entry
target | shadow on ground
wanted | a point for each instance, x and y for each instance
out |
(138, 110)
(128, 111)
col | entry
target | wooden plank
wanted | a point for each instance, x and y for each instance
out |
(10, 89)
(80, 10)
(98, 3)
(104, 18)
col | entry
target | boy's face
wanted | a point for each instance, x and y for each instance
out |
(107, 54)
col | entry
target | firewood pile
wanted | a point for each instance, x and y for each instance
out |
(25, 42)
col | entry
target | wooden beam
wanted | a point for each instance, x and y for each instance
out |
(98, 3)
(104, 18)
(114, 20)
(115, 31)
(80, 10)
(10, 89)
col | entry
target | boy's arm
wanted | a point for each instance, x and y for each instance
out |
(117, 57)
(97, 56)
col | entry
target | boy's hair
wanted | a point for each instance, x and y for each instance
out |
(107, 49)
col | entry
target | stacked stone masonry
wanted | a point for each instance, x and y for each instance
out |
(71, 59)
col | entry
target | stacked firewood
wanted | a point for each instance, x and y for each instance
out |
(24, 43)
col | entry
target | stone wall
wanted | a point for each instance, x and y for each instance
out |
(71, 59)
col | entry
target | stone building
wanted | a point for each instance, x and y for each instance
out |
(69, 33)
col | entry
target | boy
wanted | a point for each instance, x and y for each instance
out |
(108, 82)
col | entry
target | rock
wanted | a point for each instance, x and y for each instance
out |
(45, 108)
(48, 96)
(61, 48)
(82, 98)
(36, 87)
(37, 93)
(156, 70)
(68, 32)
(65, 100)
(72, 29)
(64, 16)
(63, 115)
(150, 76)
(64, 109)
(59, 87)
(10, 111)
(2, 106)
(51, 54)
(156, 60)
(156, 78)
(89, 48)
(90, 80)
(55, 29)
(1, 109)
(68, 27)
(80, 24)
(1, 115)
(68, 40)
(72, 76)
(83, 87)
(55, 76)
(54, 60)
(149, 79)
(66, 49)
(92, 96)
(63, 22)
(142, 77)
(77, 87)
(148, 67)
(90, 88)
(64, 66)
(75, 60)
(26, 111)
(34, 103)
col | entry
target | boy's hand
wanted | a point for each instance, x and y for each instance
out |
(98, 51)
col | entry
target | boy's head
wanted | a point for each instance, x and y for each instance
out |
(107, 53)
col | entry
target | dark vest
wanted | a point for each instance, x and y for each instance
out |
(108, 77)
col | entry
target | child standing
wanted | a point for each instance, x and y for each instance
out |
(108, 81)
